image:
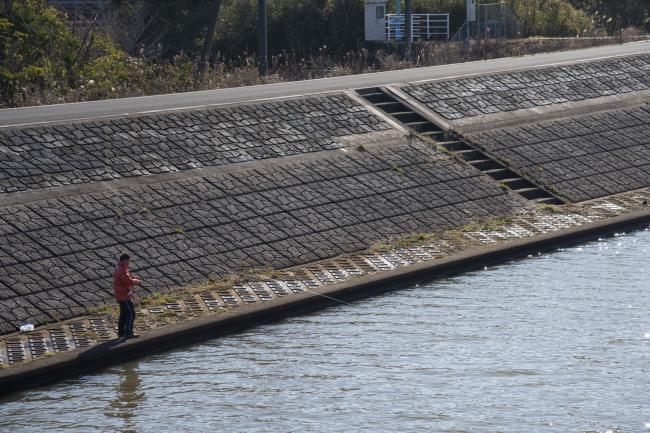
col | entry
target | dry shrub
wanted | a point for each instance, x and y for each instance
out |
(137, 77)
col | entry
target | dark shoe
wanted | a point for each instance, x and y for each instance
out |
(132, 336)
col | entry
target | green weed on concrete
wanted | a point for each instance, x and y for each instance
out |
(562, 209)
(456, 235)
(157, 299)
(104, 310)
(397, 169)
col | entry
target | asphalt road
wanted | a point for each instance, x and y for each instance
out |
(148, 104)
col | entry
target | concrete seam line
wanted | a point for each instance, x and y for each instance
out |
(509, 119)
(47, 370)
(22, 197)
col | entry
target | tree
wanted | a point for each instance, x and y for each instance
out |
(614, 15)
(262, 44)
(408, 17)
(37, 48)
(209, 38)
(168, 26)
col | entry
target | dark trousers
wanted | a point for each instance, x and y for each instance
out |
(127, 317)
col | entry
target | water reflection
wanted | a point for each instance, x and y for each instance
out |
(556, 343)
(128, 396)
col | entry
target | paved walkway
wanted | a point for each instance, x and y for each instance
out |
(149, 104)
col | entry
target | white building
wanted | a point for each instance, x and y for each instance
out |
(383, 27)
(375, 20)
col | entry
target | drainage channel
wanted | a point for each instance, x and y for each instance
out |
(452, 143)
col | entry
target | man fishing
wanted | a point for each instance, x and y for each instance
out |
(123, 284)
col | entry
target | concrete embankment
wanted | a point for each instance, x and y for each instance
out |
(199, 194)
(47, 370)
(580, 131)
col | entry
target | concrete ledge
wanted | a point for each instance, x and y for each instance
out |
(72, 363)
(549, 112)
(368, 139)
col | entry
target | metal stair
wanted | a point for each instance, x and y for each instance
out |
(453, 144)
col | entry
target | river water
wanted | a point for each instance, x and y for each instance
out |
(558, 342)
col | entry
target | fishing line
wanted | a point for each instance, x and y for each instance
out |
(328, 297)
(307, 290)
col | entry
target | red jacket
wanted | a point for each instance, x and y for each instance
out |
(123, 283)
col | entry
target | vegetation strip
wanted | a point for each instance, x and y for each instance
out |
(51, 60)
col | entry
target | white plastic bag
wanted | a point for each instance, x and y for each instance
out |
(27, 328)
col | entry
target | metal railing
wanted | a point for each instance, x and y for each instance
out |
(82, 14)
(81, 9)
(493, 21)
(87, 4)
(425, 27)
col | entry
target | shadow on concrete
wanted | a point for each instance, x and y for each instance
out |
(95, 351)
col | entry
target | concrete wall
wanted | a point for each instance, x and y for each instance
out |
(580, 158)
(485, 95)
(375, 28)
(513, 117)
(203, 193)
(37, 158)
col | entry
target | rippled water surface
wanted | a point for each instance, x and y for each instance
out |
(558, 342)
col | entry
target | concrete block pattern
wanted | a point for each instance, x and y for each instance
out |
(58, 253)
(581, 158)
(470, 97)
(35, 158)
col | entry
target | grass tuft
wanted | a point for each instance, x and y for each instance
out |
(397, 169)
